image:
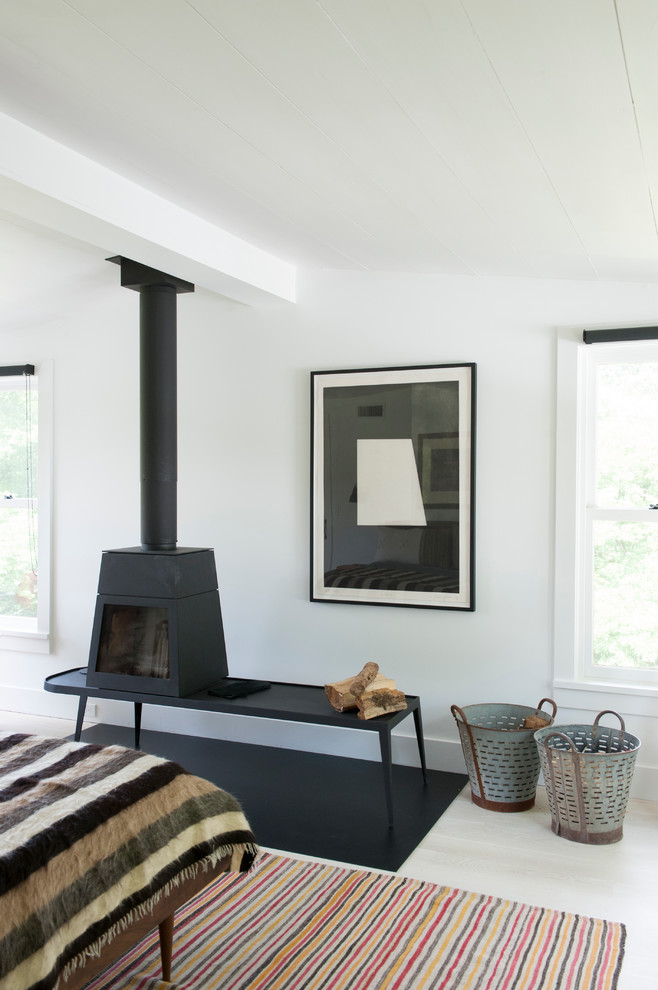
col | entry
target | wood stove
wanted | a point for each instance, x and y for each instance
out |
(158, 623)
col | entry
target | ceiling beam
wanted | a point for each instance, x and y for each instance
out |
(49, 184)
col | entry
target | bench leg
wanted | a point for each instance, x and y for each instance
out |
(387, 768)
(138, 722)
(418, 722)
(82, 704)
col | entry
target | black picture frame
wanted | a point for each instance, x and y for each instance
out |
(393, 486)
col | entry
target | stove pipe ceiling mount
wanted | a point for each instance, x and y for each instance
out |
(157, 626)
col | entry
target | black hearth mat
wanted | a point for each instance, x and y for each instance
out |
(328, 807)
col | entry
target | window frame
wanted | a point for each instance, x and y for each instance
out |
(575, 513)
(22, 633)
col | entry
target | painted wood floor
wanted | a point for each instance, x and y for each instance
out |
(517, 856)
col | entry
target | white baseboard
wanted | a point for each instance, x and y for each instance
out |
(31, 701)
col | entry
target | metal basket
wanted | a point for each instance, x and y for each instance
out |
(588, 771)
(500, 753)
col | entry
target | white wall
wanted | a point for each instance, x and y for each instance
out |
(244, 488)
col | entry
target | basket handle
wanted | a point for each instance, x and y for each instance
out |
(456, 710)
(562, 735)
(609, 711)
(577, 775)
(551, 702)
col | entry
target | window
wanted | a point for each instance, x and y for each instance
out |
(24, 508)
(606, 525)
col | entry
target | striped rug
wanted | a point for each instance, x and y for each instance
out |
(292, 925)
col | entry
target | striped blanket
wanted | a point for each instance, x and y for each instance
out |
(91, 837)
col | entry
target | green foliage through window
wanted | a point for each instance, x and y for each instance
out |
(625, 546)
(627, 435)
(18, 509)
(626, 594)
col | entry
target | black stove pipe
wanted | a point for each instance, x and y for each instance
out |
(158, 430)
(158, 400)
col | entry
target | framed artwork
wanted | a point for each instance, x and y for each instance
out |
(392, 486)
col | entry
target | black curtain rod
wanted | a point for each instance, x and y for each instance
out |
(11, 370)
(622, 334)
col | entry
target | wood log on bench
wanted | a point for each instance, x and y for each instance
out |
(339, 695)
(365, 677)
(380, 701)
(370, 692)
(342, 698)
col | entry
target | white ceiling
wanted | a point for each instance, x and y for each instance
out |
(475, 137)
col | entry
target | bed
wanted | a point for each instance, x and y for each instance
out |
(98, 846)
(407, 558)
(392, 576)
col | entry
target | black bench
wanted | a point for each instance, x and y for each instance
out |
(287, 702)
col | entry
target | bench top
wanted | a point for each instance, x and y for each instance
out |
(283, 700)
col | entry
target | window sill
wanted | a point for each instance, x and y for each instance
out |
(24, 641)
(633, 699)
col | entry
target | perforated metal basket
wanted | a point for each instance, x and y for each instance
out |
(500, 753)
(588, 771)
